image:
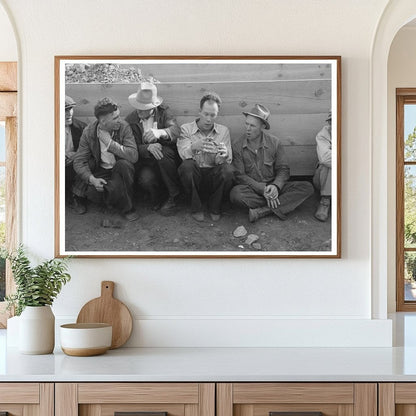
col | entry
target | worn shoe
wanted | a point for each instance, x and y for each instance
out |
(79, 205)
(169, 207)
(156, 206)
(215, 217)
(131, 215)
(198, 216)
(256, 213)
(322, 213)
(279, 214)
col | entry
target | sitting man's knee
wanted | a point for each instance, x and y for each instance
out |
(237, 195)
(123, 165)
(146, 178)
(227, 171)
(306, 187)
(187, 168)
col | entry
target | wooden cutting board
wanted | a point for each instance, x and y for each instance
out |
(108, 310)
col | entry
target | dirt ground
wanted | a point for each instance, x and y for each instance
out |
(180, 232)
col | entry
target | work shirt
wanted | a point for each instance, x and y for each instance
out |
(108, 160)
(190, 133)
(266, 166)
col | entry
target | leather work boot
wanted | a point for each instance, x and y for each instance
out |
(79, 205)
(215, 217)
(131, 216)
(322, 212)
(169, 207)
(256, 213)
(198, 216)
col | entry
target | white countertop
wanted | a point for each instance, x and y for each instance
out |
(215, 364)
(222, 364)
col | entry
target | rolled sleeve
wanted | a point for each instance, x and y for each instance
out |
(184, 143)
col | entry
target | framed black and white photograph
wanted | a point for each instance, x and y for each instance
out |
(198, 156)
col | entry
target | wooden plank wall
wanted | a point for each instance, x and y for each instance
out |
(298, 96)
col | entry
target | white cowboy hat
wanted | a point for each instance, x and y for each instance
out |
(146, 97)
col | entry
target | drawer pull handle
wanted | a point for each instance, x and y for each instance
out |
(140, 414)
(295, 413)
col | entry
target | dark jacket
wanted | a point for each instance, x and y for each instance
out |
(268, 166)
(77, 127)
(164, 119)
(88, 157)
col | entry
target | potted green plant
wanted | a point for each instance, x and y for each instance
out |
(36, 289)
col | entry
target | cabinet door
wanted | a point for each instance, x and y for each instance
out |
(142, 399)
(26, 399)
(297, 399)
(397, 399)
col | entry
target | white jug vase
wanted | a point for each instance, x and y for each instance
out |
(37, 330)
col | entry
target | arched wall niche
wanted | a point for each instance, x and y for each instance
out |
(9, 41)
(396, 15)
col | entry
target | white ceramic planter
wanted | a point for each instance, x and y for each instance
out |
(37, 330)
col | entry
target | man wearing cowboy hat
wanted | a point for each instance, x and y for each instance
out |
(155, 131)
(322, 177)
(105, 159)
(262, 171)
(205, 148)
(73, 132)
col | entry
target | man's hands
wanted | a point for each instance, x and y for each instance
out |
(222, 151)
(98, 183)
(150, 136)
(153, 135)
(209, 146)
(156, 150)
(271, 193)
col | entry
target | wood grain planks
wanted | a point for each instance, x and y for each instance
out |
(8, 76)
(296, 97)
(138, 393)
(251, 393)
(8, 105)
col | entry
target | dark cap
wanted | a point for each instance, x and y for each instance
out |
(105, 106)
(261, 112)
(69, 102)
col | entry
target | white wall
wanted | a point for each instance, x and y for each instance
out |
(184, 302)
(401, 74)
(8, 47)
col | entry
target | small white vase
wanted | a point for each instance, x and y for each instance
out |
(37, 330)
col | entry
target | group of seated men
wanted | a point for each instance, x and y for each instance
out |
(111, 160)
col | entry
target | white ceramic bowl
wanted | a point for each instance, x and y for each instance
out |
(83, 340)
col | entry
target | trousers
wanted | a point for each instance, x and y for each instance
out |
(322, 180)
(155, 175)
(290, 197)
(216, 182)
(118, 192)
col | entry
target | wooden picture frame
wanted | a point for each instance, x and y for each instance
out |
(299, 92)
